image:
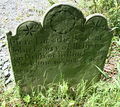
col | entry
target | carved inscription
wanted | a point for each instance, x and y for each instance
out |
(66, 44)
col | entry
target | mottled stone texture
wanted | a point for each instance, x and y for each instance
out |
(67, 45)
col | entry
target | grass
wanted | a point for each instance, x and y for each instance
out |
(101, 94)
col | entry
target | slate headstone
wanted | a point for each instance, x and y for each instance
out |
(66, 45)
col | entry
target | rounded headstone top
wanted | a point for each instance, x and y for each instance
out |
(28, 28)
(62, 18)
(98, 21)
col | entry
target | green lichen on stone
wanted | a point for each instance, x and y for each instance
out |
(65, 45)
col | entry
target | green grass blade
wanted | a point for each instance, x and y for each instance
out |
(105, 74)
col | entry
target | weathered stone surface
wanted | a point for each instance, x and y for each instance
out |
(66, 45)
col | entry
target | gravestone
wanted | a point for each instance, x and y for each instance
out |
(66, 45)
